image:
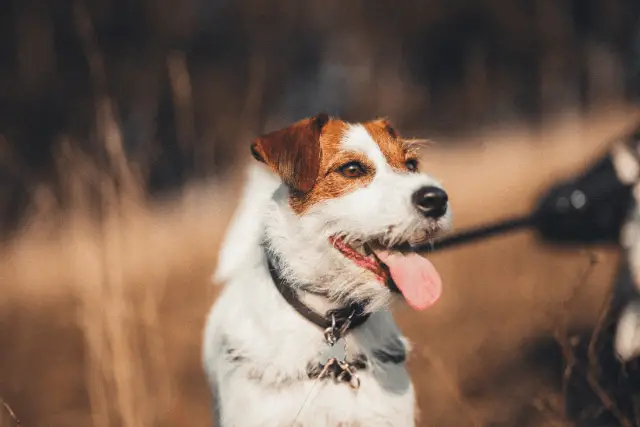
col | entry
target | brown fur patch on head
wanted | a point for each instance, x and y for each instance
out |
(309, 158)
(294, 152)
(331, 183)
(394, 148)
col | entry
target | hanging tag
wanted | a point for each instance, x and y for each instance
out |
(337, 352)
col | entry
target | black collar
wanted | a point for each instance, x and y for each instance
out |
(351, 316)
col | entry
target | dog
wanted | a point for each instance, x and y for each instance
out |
(301, 334)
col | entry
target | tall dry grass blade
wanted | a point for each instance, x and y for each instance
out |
(124, 379)
(180, 82)
(126, 367)
(7, 408)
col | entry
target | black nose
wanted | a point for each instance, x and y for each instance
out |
(430, 201)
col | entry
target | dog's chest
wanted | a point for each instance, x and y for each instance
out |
(260, 369)
(384, 397)
(323, 403)
(330, 404)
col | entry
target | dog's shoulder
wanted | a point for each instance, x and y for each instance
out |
(249, 335)
(241, 242)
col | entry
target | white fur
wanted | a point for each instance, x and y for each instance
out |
(625, 163)
(257, 347)
(242, 239)
(627, 339)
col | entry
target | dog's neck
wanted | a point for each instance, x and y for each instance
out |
(294, 292)
(333, 319)
(326, 279)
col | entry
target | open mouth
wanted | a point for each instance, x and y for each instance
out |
(407, 272)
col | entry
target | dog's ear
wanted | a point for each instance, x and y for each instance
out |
(294, 152)
(388, 127)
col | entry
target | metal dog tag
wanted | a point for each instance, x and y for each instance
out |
(338, 352)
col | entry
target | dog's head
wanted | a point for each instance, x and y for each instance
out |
(356, 195)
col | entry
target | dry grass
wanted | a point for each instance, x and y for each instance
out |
(100, 322)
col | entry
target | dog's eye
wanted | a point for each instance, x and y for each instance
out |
(412, 164)
(352, 170)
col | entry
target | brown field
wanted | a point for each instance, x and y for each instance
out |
(101, 325)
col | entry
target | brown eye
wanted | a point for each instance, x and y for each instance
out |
(352, 170)
(412, 165)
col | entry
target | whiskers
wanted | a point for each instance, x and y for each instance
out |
(413, 145)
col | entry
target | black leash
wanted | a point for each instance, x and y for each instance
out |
(483, 232)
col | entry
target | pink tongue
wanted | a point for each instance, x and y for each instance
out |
(416, 278)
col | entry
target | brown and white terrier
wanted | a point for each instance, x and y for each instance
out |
(301, 334)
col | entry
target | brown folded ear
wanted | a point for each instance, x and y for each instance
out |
(388, 127)
(294, 153)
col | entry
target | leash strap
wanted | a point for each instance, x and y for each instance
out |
(479, 233)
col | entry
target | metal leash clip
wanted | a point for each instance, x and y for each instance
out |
(331, 333)
(334, 360)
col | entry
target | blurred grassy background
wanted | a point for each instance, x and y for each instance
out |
(123, 135)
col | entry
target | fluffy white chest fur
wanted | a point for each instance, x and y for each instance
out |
(258, 350)
(258, 353)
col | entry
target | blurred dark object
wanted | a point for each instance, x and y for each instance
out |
(588, 209)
